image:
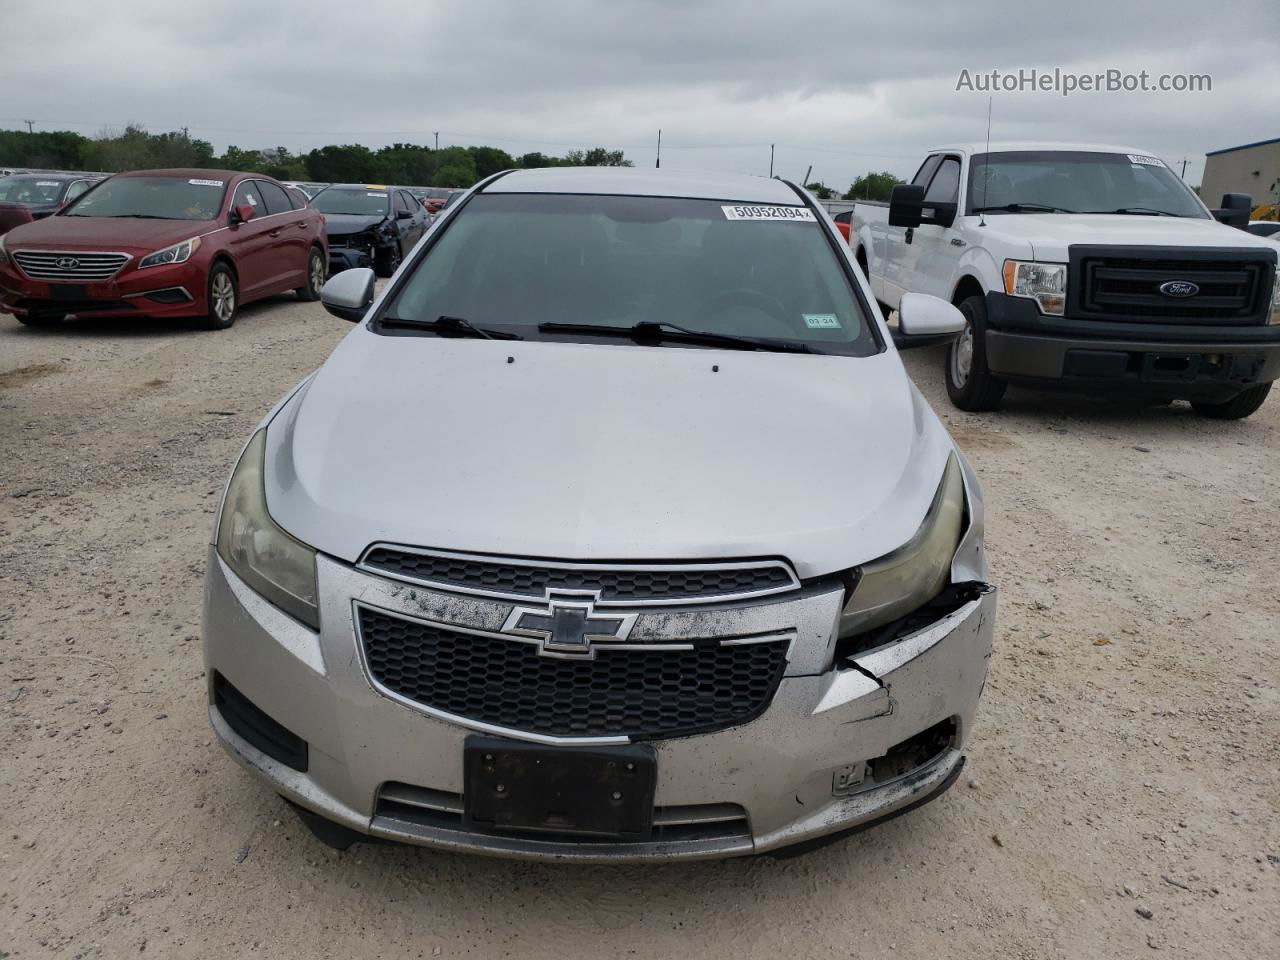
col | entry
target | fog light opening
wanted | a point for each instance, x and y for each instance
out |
(913, 754)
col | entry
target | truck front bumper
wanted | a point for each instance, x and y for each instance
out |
(1160, 362)
(799, 772)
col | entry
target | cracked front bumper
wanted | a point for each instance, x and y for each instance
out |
(777, 770)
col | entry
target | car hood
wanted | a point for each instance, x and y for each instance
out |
(104, 233)
(1049, 234)
(341, 224)
(604, 452)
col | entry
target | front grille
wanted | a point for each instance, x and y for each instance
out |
(1230, 289)
(532, 581)
(423, 807)
(70, 267)
(625, 691)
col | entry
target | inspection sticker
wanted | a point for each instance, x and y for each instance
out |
(207, 183)
(741, 212)
(48, 183)
(1149, 161)
(821, 321)
(383, 195)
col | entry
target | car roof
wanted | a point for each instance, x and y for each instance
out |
(628, 181)
(1004, 146)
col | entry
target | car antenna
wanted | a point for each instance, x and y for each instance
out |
(986, 171)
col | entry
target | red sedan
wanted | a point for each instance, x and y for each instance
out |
(164, 243)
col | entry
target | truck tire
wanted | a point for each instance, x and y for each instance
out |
(970, 384)
(1238, 407)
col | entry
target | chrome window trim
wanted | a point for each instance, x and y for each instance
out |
(480, 727)
(676, 567)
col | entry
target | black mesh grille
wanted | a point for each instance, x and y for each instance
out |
(631, 691)
(533, 581)
(1228, 290)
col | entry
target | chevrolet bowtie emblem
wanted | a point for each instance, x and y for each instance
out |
(567, 626)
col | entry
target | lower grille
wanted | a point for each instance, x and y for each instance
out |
(1235, 289)
(70, 267)
(420, 806)
(625, 691)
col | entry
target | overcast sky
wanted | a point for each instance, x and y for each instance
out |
(846, 86)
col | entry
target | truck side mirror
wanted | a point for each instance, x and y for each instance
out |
(1234, 211)
(906, 202)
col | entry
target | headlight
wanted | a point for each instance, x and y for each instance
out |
(178, 253)
(1045, 283)
(273, 563)
(916, 572)
(4, 254)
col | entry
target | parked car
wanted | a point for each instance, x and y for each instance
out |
(164, 243)
(643, 628)
(1089, 267)
(32, 196)
(842, 222)
(307, 187)
(370, 225)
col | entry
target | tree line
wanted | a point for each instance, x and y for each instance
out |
(869, 186)
(135, 148)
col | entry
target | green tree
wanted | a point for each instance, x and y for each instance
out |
(872, 186)
(820, 190)
(596, 157)
(349, 163)
(490, 160)
(535, 160)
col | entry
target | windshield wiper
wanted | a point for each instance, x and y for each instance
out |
(1028, 207)
(1138, 210)
(653, 332)
(458, 326)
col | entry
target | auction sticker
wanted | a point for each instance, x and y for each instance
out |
(207, 183)
(1142, 158)
(821, 321)
(381, 195)
(48, 183)
(743, 212)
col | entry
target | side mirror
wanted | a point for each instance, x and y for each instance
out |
(241, 214)
(348, 294)
(404, 214)
(1234, 211)
(906, 203)
(924, 320)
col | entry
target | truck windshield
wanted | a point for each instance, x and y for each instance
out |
(362, 202)
(1073, 181)
(510, 262)
(153, 198)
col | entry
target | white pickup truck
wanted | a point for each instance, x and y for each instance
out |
(1088, 267)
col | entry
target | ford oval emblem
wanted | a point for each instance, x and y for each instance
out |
(67, 263)
(1179, 288)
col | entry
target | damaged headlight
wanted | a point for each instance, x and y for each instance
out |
(912, 575)
(267, 558)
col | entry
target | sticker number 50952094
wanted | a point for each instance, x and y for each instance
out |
(744, 212)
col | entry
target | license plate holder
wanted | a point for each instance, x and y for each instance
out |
(602, 792)
(68, 291)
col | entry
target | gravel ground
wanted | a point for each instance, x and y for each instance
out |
(1120, 797)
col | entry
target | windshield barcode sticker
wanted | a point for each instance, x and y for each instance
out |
(48, 183)
(381, 196)
(821, 321)
(1149, 161)
(207, 183)
(795, 214)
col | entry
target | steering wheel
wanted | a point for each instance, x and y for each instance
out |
(744, 297)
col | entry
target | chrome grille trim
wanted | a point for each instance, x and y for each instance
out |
(91, 266)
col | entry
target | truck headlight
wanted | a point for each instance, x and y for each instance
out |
(1045, 283)
(1275, 291)
(273, 563)
(915, 573)
(178, 253)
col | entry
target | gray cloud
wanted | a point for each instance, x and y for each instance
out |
(845, 86)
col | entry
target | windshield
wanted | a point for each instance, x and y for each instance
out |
(1077, 182)
(32, 190)
(513, 261)
(358, 202)
(156, 198)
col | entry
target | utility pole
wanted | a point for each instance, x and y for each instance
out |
(437, 139)
(1184, 168)
(771, 159)
(658, 162)
(29, 123)
(805, 181)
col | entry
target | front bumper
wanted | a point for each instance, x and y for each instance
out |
(1164, 361)
(369, 755)
(347, 258)
(178, 290)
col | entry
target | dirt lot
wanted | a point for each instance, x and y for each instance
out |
(1126, 760)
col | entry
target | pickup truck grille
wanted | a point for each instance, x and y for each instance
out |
(668, 690)
(70, 267)
(1229, 290)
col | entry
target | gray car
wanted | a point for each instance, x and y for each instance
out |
(614, 530)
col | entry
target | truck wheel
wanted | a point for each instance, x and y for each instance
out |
(315, 276)
(1238, 407)
(970, 385)
(224, 298)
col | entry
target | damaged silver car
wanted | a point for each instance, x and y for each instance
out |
(614, 530)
